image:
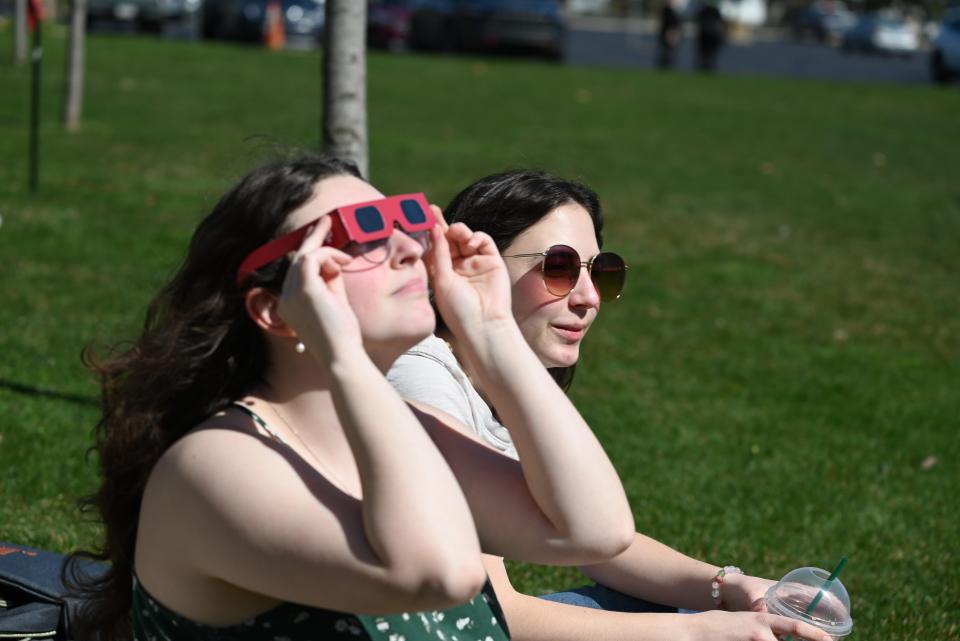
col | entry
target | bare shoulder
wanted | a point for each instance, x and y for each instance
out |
(215, 449)
(230, 515)
(225, 466)
(195, 488)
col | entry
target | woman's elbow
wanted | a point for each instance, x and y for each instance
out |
(449, 584)
(604, 543)
(462, 583)
(621, 539)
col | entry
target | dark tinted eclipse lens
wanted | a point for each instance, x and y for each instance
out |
(369, 219)
(413, 212)
(608, 272)
(561, 268)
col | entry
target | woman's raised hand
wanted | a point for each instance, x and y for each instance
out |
(469, 279)
(313, 300)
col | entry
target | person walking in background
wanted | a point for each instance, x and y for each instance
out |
(669, 34)
(711, 33)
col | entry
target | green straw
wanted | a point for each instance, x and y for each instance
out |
(826, 585)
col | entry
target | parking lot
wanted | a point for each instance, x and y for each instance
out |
(632, 44)
(768, 52)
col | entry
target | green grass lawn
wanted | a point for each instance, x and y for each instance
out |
(779, 386)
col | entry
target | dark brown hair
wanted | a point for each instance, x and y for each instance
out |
(198, 351)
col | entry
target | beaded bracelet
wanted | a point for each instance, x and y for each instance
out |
(718, 581)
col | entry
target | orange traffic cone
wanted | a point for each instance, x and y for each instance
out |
(274, 37)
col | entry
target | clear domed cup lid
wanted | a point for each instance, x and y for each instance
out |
(793, 594)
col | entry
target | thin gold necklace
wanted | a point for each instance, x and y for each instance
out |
(340, 484)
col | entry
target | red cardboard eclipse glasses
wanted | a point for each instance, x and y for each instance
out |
(359, 223)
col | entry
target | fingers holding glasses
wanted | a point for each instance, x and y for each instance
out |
(465, 242)
(313, 258)
(313, 282)
(469, 280)
(461, 250)
(315, 235)
(438, 215)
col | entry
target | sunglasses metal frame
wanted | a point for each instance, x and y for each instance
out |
(345, 229)
(580, 265)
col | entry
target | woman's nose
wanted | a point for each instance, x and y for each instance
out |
(584, 292)
(405, 248)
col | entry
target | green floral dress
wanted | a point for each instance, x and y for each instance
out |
(480, 619)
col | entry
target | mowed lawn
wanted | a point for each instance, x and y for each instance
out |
(779, 385)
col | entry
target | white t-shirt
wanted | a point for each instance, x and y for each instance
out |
(429, 373)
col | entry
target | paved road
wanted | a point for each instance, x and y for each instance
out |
(608, 43)
(612, 46)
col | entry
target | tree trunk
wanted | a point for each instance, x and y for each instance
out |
(20, 32)
(73, 78)
(345, 82)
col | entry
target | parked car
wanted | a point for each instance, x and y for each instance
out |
(747, 13)
(430, 25)
(144, 15)
(388, 24)
(824, 21)
(413, 24)
(882, 33)
(510, 26)
(243, 20)
(945, 48)
(468, 25)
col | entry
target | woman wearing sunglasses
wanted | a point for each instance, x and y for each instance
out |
(549, 233)
(262, 480)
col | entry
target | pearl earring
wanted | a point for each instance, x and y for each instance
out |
(300, 347)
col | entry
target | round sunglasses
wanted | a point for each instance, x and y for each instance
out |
(560, 266)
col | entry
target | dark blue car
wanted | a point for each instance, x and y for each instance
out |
(535, 26)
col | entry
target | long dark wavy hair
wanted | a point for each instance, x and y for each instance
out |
(198, 351)
(506, 204)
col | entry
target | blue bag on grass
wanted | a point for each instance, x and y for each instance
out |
(34, 602)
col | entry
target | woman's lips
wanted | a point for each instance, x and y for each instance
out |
(413, 286)
(570, 332)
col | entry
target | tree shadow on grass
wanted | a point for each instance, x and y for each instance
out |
(32, 390)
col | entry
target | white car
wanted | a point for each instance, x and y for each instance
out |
(945, 53)
(883, 33)
(749, 13)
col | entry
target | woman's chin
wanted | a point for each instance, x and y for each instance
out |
(561, 356)
(403, 336)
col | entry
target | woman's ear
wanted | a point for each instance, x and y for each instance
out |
(261, 305)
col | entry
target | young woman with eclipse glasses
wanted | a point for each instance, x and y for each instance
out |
(260, 477)
(549, 230)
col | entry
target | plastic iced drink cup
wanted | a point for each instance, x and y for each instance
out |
(792, 595)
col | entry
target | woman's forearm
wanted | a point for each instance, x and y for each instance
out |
(534, 619)
(415, 516)
(567, 471)
(655, 572)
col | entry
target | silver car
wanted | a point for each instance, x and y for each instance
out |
(882, 33)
